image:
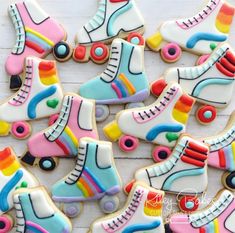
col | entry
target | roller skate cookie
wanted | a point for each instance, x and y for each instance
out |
(142, 213)
(159, 123)
(109, 22)
(123, 81)
(76, 120)
(94, 177)
(216, 75)
(39, 96)
(35, 212)
(13, 176)
(33, 38)
(219, 216)
(199, 34)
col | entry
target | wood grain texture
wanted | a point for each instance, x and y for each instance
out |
(73, 14)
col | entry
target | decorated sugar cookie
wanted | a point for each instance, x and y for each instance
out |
(123, 81)
(222, 152)
(12, 177)
(35, 212)
(94, 177)
(219, 217)
(159, 123)
(39, 96)
(33, 38)
(187, 163)
(215, 75)
(198, 34)
(108, 23)
(142, 213)
(61, 139)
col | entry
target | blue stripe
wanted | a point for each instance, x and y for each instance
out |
(142, 227)
(192, 172)
(37, 99)
(121, 88)
(38, 41)
(204, 36)
(4, 206)
(160, 128)
(229, 156)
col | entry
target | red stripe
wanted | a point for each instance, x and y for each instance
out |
(192, 161)
(225, 62)
(5, 153)
(222, 160)
(230, 56)
(195, 154)
(46, 65)
(198, 147)
(187, 100)
(34, 46)
(202, 230)
(62, 146)
(223, 70)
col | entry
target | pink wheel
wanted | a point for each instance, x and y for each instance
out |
(202, 59)
(128, 143)
(136, 38)
(53, 119)
(188, 203)
(79, 53)
(161, 153)
(21, 129)
(171, 52)
(99, 52)
(206, 114)
(6, 223)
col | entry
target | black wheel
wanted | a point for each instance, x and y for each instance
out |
(62, 51)
(47, 164)
(167, 228)
(230, 180)
(15, 82)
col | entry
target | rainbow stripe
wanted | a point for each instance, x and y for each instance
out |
(153, 204)
(48, 73)
(123, 87)
(227, 157)
(211, 227)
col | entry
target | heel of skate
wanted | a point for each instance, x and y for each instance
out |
(112, 131)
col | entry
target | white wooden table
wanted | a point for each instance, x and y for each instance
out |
(73, 14)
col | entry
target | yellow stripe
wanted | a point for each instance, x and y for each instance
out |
(11, 169)
(129, 86)
(51, 43)
(225, 28)
(82, 188)
(180, 116)
(216, 225)
(233, 150)
(49, 80)
(69, 132)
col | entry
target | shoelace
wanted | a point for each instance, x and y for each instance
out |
(19, 28)
(56, 129)
(20, 221)
(190, 22)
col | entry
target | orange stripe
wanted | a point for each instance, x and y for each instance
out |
(129, 85)
(47, 72)
(7, 162)
(182, 107)
(87, 187)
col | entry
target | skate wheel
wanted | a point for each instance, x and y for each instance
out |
(158, 86)
(101, 112)
(62, 51)
(53, 119)
(161, 153)
(73, 209)
(21, 129)
(6, 223)
(188, 203)
(202, 59)
(99, 52)
(109, 204)
(134, 105)
(47, 163)
(228, 180)
(135, 38)
(206, 114)
(15, 82)
(167, 228)
(128, 143)
(79, 53)
(171, 52)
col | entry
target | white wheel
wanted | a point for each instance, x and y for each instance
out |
(109, 204)
(72, 209)
(101, 112)
(135, 105)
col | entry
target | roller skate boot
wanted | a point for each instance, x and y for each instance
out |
(159, 123)
(108, 23)
(216, 75)
(39, 96)
(142, 213)
(33, 38)
(123, 81)
(35, 212)
(76, 120)
(199, 34)
(13, 176)
(219, 216)
(94, 177)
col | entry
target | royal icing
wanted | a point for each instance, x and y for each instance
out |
(219, 216)
(94, 176)
(35, 212)
(39, 96)
(108, 23)
(142, 213)
(199, 33)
